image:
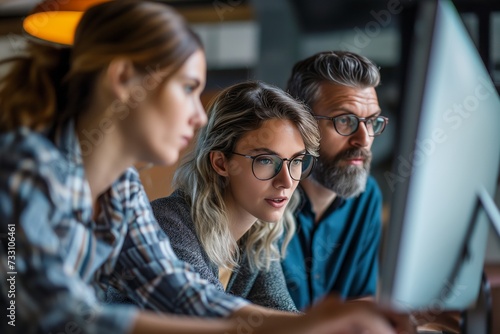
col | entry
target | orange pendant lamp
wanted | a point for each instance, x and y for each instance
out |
(55, 21)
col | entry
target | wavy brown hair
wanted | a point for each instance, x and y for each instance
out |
(50, 83)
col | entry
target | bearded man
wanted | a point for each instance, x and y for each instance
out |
(335, 247)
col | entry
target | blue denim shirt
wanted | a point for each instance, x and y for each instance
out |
(64, 260)
(339, 254)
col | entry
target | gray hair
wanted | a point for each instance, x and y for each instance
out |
(337, 67)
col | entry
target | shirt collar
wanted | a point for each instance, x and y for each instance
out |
(305, 203)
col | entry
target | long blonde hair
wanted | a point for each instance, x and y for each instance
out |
(49, 83)
(234, 112)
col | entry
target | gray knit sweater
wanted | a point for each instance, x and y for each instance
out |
(265, 288)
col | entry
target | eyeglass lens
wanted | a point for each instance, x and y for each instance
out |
(348, 124)
(266, 166)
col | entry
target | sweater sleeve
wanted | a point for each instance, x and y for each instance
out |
(174, 218)
(264, 287)
(269, 290)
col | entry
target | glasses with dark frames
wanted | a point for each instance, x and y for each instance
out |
(266, 166)
(347, 124)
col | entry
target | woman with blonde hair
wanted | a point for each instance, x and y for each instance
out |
(235, 191)
(75, 217)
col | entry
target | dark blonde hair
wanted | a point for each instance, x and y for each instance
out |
(234, 112)
(51, 83)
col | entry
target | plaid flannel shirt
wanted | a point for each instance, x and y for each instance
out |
(64, 260)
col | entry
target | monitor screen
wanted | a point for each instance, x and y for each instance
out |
(448, 153)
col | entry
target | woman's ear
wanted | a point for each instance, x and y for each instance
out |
(219, 163)
(121, 76)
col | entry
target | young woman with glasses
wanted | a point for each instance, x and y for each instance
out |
(235, 192)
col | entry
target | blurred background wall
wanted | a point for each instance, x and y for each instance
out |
(262, 39)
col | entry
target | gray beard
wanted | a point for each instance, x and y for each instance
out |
(345, 181)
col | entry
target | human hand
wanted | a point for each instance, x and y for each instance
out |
(402, 323)
(448, 321)
(356, 317)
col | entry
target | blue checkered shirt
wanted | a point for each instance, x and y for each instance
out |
(61, 260)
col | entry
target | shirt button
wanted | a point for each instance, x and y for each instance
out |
(317, 276)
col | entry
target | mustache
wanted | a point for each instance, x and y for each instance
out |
(354, 153)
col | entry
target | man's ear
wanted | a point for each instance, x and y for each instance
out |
(121, 76)
(219, 163)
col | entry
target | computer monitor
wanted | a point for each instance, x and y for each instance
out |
(447, 160)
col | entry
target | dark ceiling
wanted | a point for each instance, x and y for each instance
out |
(323, 16)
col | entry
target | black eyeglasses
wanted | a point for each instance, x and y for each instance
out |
(347, 124)
(267, 166)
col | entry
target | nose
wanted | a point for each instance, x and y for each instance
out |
(360, 138)
(200, 116)
(283, 179)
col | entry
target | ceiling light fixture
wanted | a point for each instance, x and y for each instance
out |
(55, 21)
